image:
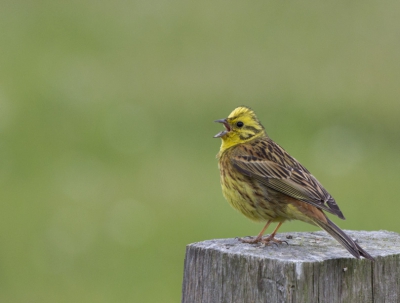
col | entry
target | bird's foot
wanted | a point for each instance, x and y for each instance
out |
(250, 240)
(267, 240)
(262, 240)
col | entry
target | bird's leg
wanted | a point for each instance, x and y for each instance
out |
(258, 238)
(271, 237)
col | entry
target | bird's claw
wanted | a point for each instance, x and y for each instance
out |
(264, 241)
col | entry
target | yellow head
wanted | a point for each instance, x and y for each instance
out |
(241, 126)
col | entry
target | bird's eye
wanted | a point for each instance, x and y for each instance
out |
(239, 124)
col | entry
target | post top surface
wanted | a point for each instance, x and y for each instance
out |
(308, 246)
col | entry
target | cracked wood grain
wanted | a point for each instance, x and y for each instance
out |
(313, 267)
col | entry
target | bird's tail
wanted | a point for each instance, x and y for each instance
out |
(353, 248)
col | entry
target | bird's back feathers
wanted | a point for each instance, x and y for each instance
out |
(269, 163)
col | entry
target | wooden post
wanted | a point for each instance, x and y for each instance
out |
(312, 267)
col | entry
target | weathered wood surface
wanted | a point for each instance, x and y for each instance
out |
(312, 267)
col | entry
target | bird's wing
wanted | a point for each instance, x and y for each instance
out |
(283, 173)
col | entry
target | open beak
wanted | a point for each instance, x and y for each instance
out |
(224, 132)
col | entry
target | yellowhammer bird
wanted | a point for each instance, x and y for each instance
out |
(263, 182)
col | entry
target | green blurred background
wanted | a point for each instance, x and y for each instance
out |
(107, 166)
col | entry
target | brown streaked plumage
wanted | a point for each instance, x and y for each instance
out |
(262, 181)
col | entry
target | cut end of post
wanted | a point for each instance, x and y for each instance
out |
(312, 267)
